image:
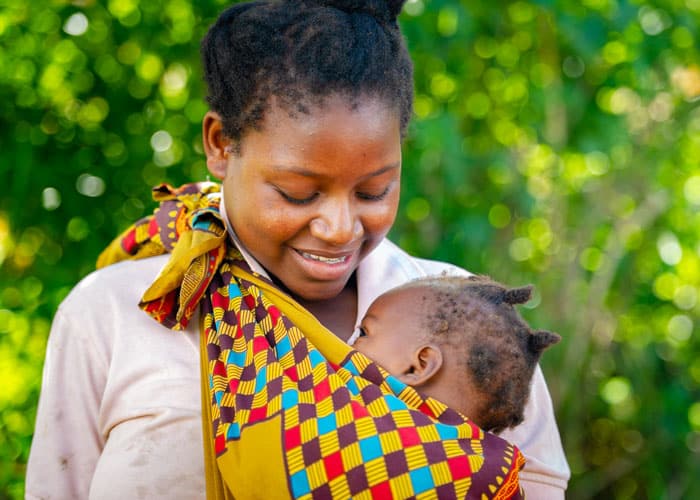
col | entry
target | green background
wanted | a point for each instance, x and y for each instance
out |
(554, 143)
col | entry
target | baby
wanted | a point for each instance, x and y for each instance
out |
(460, 341)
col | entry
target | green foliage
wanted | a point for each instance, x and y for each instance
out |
(556, 143)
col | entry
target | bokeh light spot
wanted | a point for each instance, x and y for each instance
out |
(77, 229)
(679, 328)
(418, 209)
(149, 68)
(615, 52)
(478, 105)
(90, 185)
(669, 248)
(685, 297)
(665, 286)
(442, 86)
(485, 47)
(591, 259)
(691, 190)
(447, 21)
(50, 198)
(161, 141)
(76, 25)
(521, 249)
(694, 415)
(414, 7)
(653, 21)
(616, 390)
(597, 163)
(499, 216)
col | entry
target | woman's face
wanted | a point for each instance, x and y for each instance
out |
(310, 196)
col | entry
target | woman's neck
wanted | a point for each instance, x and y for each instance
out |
(337, 314)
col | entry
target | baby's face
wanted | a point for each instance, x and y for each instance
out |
(392, 329)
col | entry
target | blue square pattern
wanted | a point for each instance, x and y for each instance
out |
(446, 431)
(370, 448)
(290, 398)
(300, 483)
(421, 479)
(261, 379)
(352, 387)
(233, 290)
(350, 366)
(283, 347)
(234, 431)
(327, 424)
(316, 358)
(236, 358)
(395, 403)
(396, 385)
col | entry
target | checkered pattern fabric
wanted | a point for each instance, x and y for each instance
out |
(349, 430)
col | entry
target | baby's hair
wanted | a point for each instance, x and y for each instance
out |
(301, 51)
(501, 349)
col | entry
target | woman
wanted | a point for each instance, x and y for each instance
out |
(309, 102)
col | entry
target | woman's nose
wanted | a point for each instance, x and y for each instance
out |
(337, 224)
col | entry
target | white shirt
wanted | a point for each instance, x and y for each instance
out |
(119, 415)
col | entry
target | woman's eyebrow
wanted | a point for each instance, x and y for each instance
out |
(305, 172)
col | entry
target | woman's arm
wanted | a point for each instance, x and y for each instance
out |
(546, 471)
(67, 442)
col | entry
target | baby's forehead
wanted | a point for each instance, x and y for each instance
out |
(410, 294)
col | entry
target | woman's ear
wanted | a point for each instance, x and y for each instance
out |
(425, 363)
(216, 144)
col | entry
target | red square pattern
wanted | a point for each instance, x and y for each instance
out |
(459, 467)
(409, 436)
(334, 465)
(257, 414)
(381, 491)
(322, 390)
(292, 438)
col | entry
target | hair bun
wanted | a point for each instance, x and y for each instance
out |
(518, 295)
(539, 340)
(384, 10)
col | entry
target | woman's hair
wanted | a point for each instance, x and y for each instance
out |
(301, 51)
(501, 350)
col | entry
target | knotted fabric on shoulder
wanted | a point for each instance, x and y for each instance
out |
(289, 410)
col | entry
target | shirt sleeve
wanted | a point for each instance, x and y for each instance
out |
(546, 472)
(67, 442)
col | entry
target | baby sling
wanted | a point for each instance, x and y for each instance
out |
(289, 410)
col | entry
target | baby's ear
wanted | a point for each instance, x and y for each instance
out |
(426, 361)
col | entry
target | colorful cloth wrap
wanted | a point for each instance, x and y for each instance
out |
(289, 410)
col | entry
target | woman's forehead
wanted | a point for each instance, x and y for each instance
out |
(317, 109)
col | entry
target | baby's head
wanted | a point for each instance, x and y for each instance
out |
(460, 340)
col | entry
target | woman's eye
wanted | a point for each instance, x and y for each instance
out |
(363, 333)
(297, 201)
(374, 197)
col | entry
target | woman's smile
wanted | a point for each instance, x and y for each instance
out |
(326, 268)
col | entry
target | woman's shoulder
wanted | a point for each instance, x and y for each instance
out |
(388, 255)
(123, 282)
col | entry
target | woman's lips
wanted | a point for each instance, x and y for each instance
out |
(326, 267)
(320, 258)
